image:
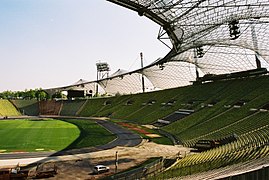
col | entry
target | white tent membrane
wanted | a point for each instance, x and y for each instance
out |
(88, 87)
(231, 34)
(124, 83)
(171, 74)
(220, 59)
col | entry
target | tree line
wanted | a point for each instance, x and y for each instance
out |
(38, 94)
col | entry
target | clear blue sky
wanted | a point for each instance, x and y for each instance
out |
(51, 43)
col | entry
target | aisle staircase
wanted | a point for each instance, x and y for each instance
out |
(176, 116)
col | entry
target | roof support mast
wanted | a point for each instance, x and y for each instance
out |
(255, 43)
(143, 81)
(196, 63)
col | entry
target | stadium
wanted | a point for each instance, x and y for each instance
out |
(201, 112)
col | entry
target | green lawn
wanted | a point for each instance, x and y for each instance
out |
(33, 135)
(50, 135)
(91, 134)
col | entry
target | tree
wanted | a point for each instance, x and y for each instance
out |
(38, 94)
(41, 94)
(58, 95)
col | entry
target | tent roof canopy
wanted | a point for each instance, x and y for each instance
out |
(207, 36)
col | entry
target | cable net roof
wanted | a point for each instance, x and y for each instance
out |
(192, 23)
(207, 36)
(171, 74)
(123, 83)
(232, 34)
(220, 59)
(192, 17)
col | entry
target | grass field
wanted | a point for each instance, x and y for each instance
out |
(34, 135)
(50, 135)
(91, 134)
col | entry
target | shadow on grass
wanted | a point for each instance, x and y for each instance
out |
(91, 134)
(40, 120)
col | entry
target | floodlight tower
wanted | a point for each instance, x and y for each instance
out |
(102, 72)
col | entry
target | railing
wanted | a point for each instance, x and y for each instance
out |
(144, 172)
(262, 173)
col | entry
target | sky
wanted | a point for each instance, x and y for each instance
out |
(53, 43)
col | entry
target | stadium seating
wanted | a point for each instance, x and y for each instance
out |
(27, 107)
(220, 109)
(8, 109)
(177, 115)
(251, 145)
(71, 108)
